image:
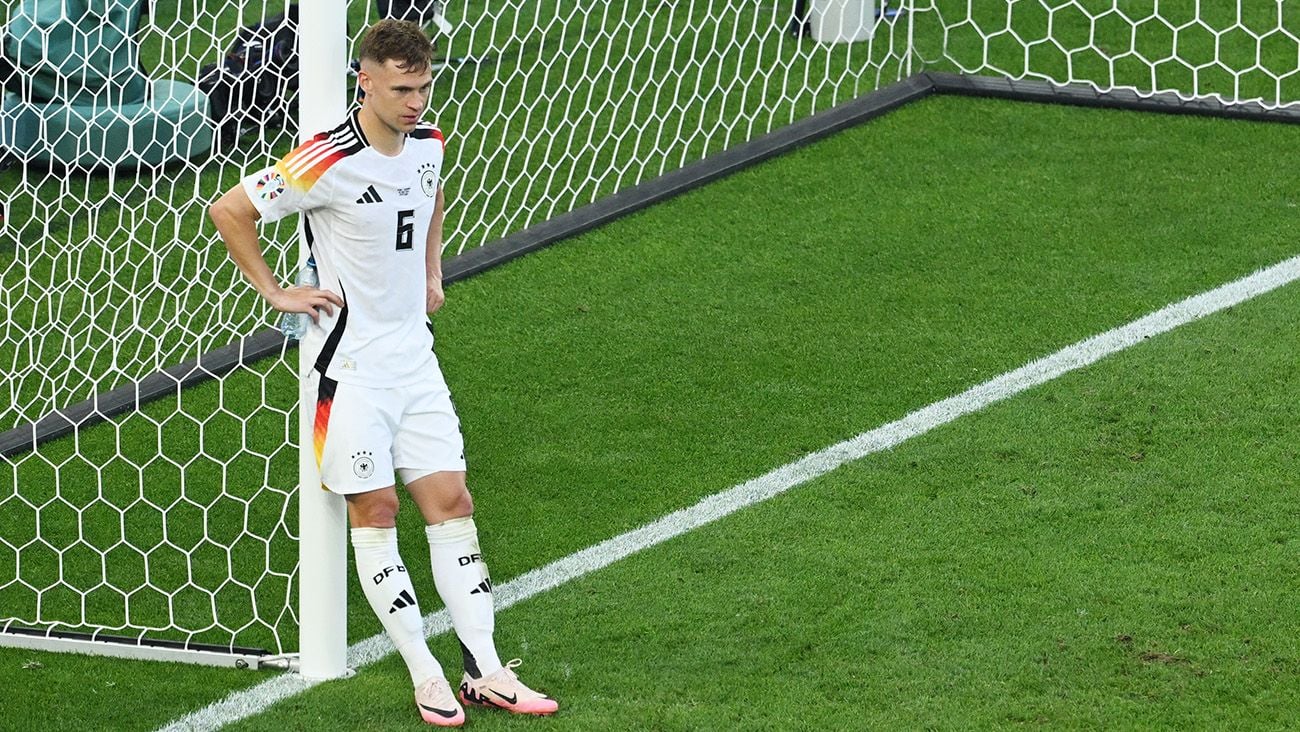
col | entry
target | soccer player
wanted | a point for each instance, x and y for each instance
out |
(370, 196)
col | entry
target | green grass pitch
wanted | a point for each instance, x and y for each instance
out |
(1111, 549)
(1104, 551)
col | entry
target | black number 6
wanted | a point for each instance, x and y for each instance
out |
(405, 230)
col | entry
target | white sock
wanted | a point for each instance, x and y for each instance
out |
(388, 588)
(462, 580)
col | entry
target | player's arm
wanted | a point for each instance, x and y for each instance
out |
(433, 257)
(236, 219)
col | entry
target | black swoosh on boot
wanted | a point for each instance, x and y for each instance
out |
(439, 712)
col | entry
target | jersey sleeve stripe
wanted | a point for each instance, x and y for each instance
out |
(309, 161)
(311, 148)
(310, 157)
(308, 178)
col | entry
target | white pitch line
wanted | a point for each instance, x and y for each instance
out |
(242, 704)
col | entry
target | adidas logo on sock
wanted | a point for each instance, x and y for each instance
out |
(403, 600)
(370, 196)
(484, 586)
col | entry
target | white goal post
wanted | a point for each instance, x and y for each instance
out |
(173, 528)
(322, 546)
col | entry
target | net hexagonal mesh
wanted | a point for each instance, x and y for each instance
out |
(178, 520)
(1234, 51)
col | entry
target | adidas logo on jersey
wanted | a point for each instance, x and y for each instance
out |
(370, 196)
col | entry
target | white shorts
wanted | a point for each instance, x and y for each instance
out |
(364, 436)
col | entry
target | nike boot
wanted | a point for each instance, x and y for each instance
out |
(504, 690)
(437, 704)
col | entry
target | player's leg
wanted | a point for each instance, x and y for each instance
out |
(388, 589)
(429, 453)
(459, 572)
(353, 445)
(461, 576)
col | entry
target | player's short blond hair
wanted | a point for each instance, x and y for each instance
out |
(399, 40)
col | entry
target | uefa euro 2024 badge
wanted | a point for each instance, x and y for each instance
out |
(270, 186)
(429, 179)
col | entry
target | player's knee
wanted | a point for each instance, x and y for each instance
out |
(460, 505)
(377, 510)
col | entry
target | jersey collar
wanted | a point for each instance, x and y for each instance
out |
(354, 121)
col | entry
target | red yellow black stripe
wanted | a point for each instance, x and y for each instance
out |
(324, 403)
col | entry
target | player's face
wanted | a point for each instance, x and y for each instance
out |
(397, 96)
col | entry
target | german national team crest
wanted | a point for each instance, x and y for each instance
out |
(429, 179)
(270, 186)
(363, 465)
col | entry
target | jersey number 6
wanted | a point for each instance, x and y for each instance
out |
(405, 230)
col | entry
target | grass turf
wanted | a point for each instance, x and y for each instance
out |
(672, 354)
(1111, 550)
(1099, 552)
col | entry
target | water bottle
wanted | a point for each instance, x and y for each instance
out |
(294, 325)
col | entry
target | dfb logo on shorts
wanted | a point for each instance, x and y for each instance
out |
(362, 464)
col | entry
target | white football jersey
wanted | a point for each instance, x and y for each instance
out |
(366, 217)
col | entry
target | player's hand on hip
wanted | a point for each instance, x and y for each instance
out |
(308, 300)
(434, 297)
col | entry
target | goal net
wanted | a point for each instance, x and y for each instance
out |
(175, 520)
(1233, 51)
